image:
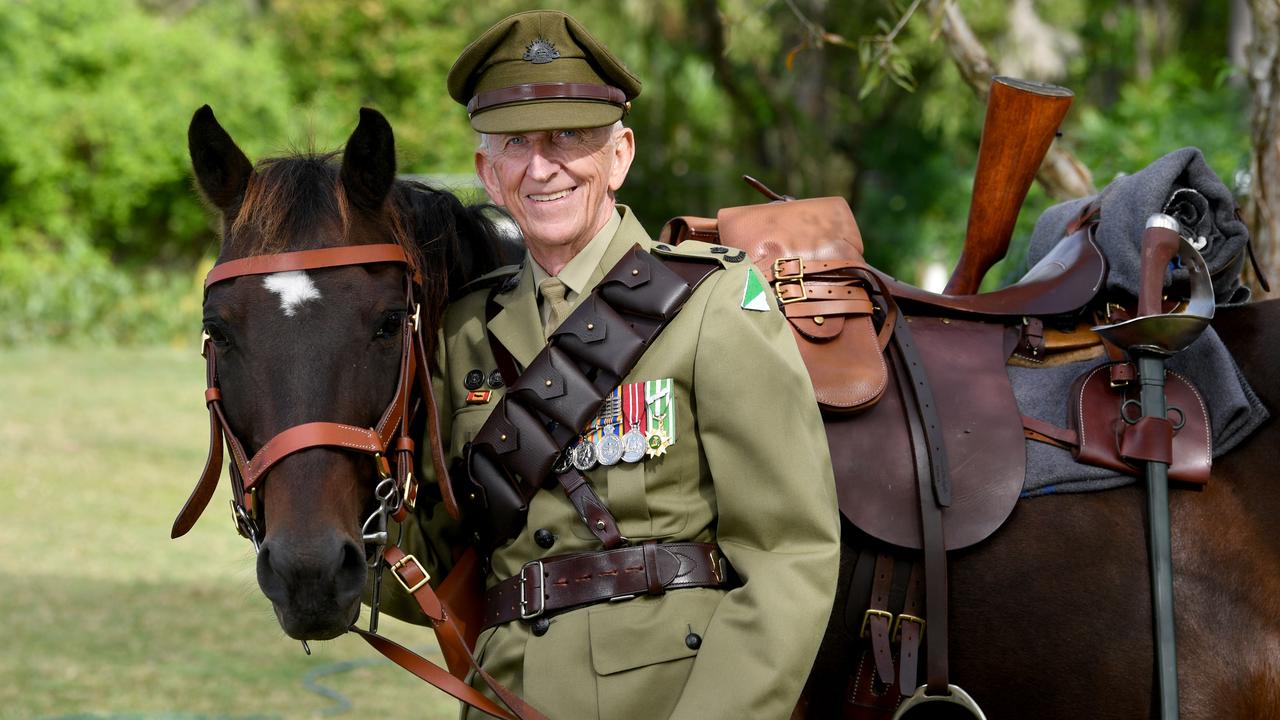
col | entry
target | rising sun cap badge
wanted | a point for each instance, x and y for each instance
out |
(541, 51)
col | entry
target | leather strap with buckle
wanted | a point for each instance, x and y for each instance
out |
(555, 584)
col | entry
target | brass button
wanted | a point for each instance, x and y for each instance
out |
(818, 319)
(591, 326)
(635, 272)
(503, 438)
(548, 382)
(599, 524)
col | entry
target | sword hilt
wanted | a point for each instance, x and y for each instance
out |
(1160, 244)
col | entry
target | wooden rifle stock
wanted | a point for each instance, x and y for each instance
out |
(1022, 119)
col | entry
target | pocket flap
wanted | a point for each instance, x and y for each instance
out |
(648, 630)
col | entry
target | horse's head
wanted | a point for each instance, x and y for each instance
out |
(321, 348)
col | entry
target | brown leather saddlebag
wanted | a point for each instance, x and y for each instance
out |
(810, 253)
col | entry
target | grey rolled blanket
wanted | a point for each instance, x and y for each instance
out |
(1129, 200)
(1180, 184)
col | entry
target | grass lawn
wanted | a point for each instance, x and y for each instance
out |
(101, 614)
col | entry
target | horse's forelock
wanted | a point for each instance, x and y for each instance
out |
(295, 202)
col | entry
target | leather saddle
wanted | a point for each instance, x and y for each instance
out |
(927, 442)
(810, 251)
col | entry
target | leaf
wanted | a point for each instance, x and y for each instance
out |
(870, 83)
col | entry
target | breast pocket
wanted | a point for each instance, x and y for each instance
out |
(466, 423)
(642, 652)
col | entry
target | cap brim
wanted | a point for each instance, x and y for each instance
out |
(548, 115)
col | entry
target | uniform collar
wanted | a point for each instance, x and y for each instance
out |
(576, 274)
(518, 326)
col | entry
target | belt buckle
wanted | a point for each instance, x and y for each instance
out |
(525, 613)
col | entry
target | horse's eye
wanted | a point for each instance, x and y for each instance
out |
(216, 334)
(391, 324)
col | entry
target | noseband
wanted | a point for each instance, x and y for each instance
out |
(388, 443)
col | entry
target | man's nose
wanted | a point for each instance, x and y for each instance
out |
(542, 167)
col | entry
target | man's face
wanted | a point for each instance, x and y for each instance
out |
(559, 184)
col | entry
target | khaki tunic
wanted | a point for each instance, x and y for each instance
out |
(749, 470)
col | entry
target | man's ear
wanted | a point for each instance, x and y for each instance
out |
(624, 152)
(488, 178)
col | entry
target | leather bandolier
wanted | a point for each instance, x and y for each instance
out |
(521, 447)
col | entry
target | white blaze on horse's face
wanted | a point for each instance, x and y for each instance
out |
(294, 288)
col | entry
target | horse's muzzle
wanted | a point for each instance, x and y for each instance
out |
(315, 587)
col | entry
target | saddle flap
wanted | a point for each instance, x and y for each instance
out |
(1101, 420)
(828, 308)
(872, 455)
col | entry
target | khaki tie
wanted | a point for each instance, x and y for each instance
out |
(553, 290)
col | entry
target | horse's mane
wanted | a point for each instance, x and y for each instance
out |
(293, 202)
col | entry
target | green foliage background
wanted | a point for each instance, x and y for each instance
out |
(103, 239)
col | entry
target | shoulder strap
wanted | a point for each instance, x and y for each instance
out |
(521, 446)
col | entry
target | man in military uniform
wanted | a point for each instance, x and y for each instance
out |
(732, 449)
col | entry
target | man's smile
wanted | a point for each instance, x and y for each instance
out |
(551, 197)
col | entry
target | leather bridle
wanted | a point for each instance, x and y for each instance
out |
(391, 448)
(388, 442)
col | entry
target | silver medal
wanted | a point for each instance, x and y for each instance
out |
(633, 445)
(584, 455)
(609, 449)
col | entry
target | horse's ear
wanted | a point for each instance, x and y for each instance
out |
(369, 162)
(221, 168)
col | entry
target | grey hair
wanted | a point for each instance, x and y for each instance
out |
(484, 140)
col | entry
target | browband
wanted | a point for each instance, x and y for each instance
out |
(310, 260)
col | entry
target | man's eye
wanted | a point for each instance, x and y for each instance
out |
(514, 141)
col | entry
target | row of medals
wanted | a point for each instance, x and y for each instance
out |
(614, 447)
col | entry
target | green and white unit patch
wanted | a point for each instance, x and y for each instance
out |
(753, 292)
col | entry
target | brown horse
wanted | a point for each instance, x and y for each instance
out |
(322, 345)
(1051, 616)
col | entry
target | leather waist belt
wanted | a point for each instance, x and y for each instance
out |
(564, 582)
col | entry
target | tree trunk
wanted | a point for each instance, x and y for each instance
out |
(1262, 211)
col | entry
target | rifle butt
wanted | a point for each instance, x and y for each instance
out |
(1021, 122)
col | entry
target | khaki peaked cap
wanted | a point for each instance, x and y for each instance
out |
(540, 70)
